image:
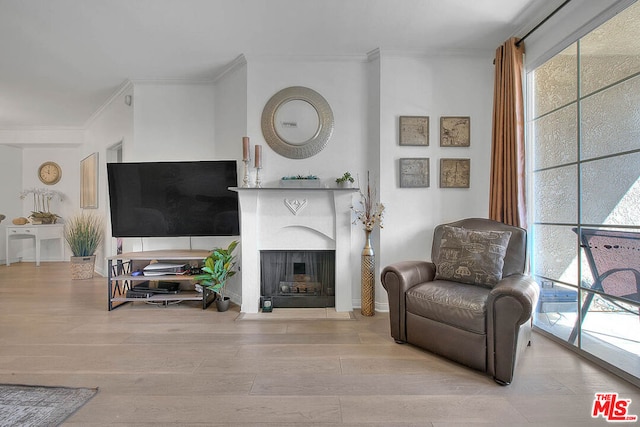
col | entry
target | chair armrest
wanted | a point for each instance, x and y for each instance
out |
(522, 289)
(509, 309)
(397, 279)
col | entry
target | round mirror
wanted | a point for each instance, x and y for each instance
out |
(297, 122)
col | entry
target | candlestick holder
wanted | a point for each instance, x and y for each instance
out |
(245, 180)
(258, 181)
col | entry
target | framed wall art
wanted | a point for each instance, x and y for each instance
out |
(414, 172)
(414, 130)
(455, 131)
(455, 173)
(89, 182)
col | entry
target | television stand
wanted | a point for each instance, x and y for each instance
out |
(120, 278)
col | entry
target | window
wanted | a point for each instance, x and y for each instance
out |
(584, 139)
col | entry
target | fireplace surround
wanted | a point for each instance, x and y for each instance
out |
(295, 219)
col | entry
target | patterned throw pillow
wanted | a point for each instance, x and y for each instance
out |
(472, 256)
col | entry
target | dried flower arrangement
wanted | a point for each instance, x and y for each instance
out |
(372, 212)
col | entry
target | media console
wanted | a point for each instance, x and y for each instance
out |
(121, 277)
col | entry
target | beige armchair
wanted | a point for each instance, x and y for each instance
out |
(473, 304)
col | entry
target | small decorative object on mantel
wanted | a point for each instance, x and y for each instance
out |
(370, 215)
(258, 165)
(345, 180)
(42, 198)
(245, 159)
(300, 181)
(2, 217)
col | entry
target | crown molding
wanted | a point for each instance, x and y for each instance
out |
(41, 136)
(238, 62)
(125, 86)
(308, 58)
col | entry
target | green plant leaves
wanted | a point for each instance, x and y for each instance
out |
(218, 267)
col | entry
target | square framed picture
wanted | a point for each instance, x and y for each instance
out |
(455, 173)
(414, 130)
(414, 172)
(455, 131)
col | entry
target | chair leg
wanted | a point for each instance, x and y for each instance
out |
(500, 382)
(400, 342)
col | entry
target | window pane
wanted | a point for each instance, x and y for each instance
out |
(555, 138)
(556, 195)
(586, 178)
(611, 52)
(611, 191)
(554, 252)
(610, 331)
(611, 120)
(557, 309)
(555, 82)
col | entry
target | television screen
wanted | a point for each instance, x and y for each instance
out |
(171, 199)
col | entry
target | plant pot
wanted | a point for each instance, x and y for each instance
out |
(223, 304)
(82, 267)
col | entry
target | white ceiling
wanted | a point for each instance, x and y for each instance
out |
(60, 60)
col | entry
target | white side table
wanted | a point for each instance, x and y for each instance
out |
(38, 233)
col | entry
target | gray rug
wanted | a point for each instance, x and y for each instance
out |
(25, 405)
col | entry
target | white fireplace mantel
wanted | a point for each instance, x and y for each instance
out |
(294, 219)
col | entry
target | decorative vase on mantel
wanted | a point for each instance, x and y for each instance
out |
(367, 281)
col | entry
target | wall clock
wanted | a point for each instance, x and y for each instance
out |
(49, 173)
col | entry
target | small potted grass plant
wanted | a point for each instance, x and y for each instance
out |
(83, 233)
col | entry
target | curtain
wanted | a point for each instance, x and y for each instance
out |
(507, 201)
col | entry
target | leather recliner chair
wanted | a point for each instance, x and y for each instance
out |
(484, 327)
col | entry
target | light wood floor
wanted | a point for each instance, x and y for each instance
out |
(181, 365)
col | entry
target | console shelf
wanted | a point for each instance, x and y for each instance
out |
(120, 279)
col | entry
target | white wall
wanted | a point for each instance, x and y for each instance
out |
(172, 121)
(431, 86)
(69, 160)
(114, 125)
(11, 178)
(230, 102)
(230, 126)
(343, 83)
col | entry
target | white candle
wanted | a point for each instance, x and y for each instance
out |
(258, 156)
(245, 148)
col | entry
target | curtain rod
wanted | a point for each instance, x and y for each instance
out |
(542, 22)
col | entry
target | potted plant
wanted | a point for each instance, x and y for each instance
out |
(83, 233)
(42, 198)
(345, 180)
(218, 267)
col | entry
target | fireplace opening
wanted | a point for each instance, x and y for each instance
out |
(298, 278)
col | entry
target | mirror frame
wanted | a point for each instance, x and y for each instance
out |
(313, 145)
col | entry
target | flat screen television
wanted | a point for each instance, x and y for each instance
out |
(173, 199)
